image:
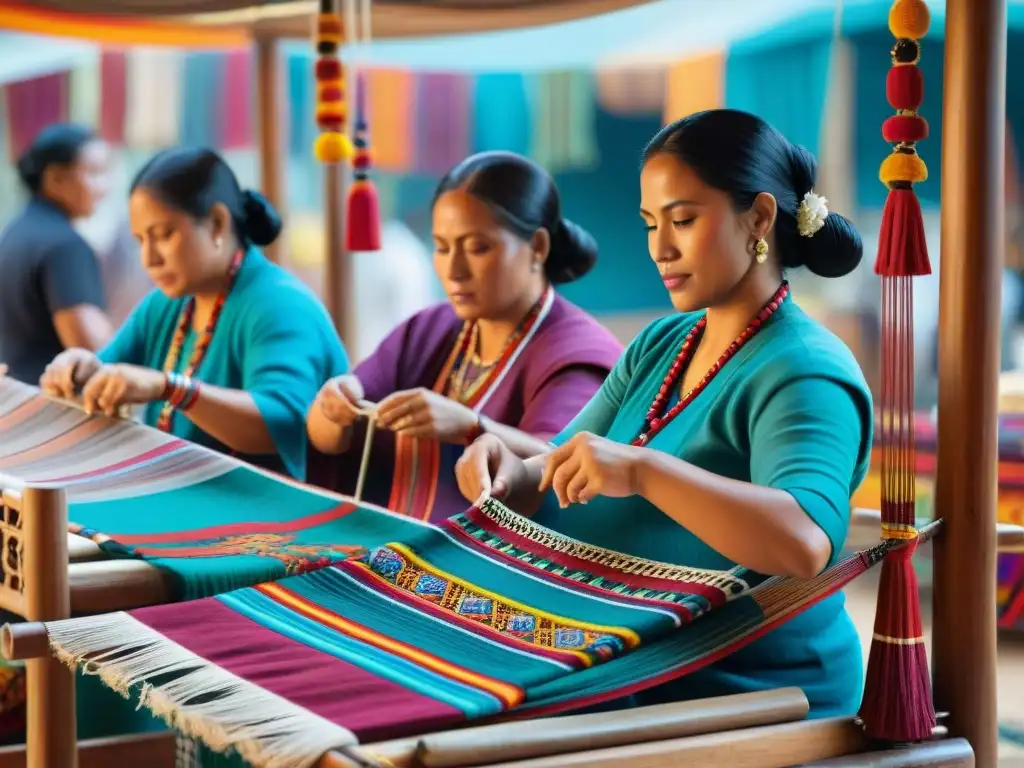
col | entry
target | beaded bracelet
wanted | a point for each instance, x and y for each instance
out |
(181, 391)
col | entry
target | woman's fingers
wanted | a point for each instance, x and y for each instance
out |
(394, 407)
(473, 473)
(560, 479)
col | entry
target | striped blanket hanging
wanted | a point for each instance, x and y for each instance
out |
(322, 624)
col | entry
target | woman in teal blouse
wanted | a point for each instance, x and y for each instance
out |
(734, 432)
(230, 350)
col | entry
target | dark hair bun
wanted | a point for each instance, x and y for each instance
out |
(834, 250)
(573, 253)
(739, 153)
(262, 222)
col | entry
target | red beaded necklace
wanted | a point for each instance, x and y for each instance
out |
(657, 419)
(178, 340)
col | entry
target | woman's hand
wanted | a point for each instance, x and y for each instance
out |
(589, 466)
(338, 398)
(489, 468)
(423, 413)
(69, 372)
(115, 385)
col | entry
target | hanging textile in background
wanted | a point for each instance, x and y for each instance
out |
(755, 68)
(564, 113)
(302, 130)
(695, 84)
(32, 105)
(442, 121)
(501, 109)
(632, 90)
(237, 107)
(202, 89)
(154, 91)
(392, 103)
(84, 91)
(113, 95)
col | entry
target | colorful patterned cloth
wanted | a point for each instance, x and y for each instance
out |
(487, 616)
(214, 522)
(321, 624)
(1010, 590)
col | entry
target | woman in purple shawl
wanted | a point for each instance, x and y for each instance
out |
(505, 355)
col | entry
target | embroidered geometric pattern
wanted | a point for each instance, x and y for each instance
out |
(695, 604)
(399, 567)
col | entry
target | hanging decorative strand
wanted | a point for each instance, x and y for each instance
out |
(362, 218)
(333, 144)
(897, 703)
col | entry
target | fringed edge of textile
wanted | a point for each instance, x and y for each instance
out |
(201, 700)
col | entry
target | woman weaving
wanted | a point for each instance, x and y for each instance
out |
(733, 435)
(505, 355)
(230, 350)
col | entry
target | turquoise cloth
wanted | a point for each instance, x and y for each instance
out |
(790, 411)
(274, 339)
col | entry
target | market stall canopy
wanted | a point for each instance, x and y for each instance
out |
(391, 18)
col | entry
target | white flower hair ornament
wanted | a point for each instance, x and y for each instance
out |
(811, 214)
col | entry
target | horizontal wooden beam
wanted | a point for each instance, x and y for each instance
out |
(943, 753)
(502, 742)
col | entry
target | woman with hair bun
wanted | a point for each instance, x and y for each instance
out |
(51, 291)
(229, 350)
(504, 356)
(734, 432)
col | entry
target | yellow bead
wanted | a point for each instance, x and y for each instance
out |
(909, 18)
(903, 167)
(332, 147)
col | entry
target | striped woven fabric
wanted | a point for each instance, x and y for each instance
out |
(215, 522)
(488, 616)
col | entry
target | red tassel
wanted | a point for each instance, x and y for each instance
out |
(902, 247)
(897, 704)
(362, 218)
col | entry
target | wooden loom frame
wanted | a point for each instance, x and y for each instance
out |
(736, 731)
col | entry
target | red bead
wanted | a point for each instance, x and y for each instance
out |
(904, 87)
(327, 69)
(655, 423)
(905, 128)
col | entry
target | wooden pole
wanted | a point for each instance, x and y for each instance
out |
(964, 640)
(271, 118)
(338, 293)
(51, 740)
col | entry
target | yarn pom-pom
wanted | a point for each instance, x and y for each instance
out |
(333, 147)
(900, 166)
(909, 18)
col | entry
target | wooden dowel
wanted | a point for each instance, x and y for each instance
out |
(947, 753)
(24, 640)
(1008, 535)
(50, 685)
(270, 95)
(152, 750)
(970, 278)
(103, 586)
(559, 735)
(776, 746)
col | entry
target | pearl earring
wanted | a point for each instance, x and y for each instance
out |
(761, 251)
(218, 243)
